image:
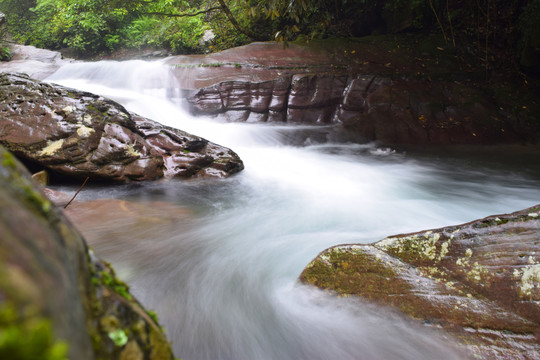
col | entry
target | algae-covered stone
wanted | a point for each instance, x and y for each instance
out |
(57, 300)
(480, 281)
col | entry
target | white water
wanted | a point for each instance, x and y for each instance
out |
(224, 281)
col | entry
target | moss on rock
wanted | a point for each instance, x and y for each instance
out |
(58, 300)
(480, 281)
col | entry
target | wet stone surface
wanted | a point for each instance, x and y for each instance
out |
(79, 134)
(479, 281)
(371, 89)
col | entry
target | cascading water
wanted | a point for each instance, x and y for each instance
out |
(224, 280)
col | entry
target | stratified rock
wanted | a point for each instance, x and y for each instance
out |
(480, 281)
(56, 297)
(367, 107)
(80, 134)
(379, 88)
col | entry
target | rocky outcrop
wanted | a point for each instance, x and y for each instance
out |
(35, 62)
(57, 299)
(367, 108)
(372, 89)
(480, 281)
(79, 134)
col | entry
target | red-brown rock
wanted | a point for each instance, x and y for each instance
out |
(79, 134)
(479, 281)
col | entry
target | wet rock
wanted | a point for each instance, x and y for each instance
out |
(35, 62)
(56, 296)
(367, 108)
(371, 89)
(42, 177)
(480, 281)
(105, 222)
(79, 134)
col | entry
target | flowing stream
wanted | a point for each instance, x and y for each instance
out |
(223, 279)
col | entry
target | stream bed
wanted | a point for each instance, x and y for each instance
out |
(223, 277)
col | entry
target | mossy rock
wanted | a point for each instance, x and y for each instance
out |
(479, 281)
(57, 299)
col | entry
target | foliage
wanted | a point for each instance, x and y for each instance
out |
(93, 26)
(5, 53)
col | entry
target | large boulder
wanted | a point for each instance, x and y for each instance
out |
(480, 281)
(80, 134)
(57, 299)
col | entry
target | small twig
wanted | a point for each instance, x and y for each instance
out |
(450, 22)
(78, 191)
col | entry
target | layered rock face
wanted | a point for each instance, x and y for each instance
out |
(80, 134)
(368, 89)
(370, 107)
(56, 298)
(479, 281)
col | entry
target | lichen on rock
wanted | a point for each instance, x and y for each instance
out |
(479, 281)
(78, 134)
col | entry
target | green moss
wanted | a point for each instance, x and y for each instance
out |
(211, 65)
(109, 279)
(28, 337)
(9, 161)
(351, 271)
(24, 186)
(492, 222)
(153, 316)
(119, 337)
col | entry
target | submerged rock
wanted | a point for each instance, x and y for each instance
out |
(80, 134)
(480, 281)
(56, 297)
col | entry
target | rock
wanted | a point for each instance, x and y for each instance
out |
(58, 198)
(79, 134)
(479, 281)
(105, 222)
(42, 177)
(367, 107)
(35, 62)
(370, 89)
(56, 297)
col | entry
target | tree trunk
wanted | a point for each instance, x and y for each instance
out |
(230, 16)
